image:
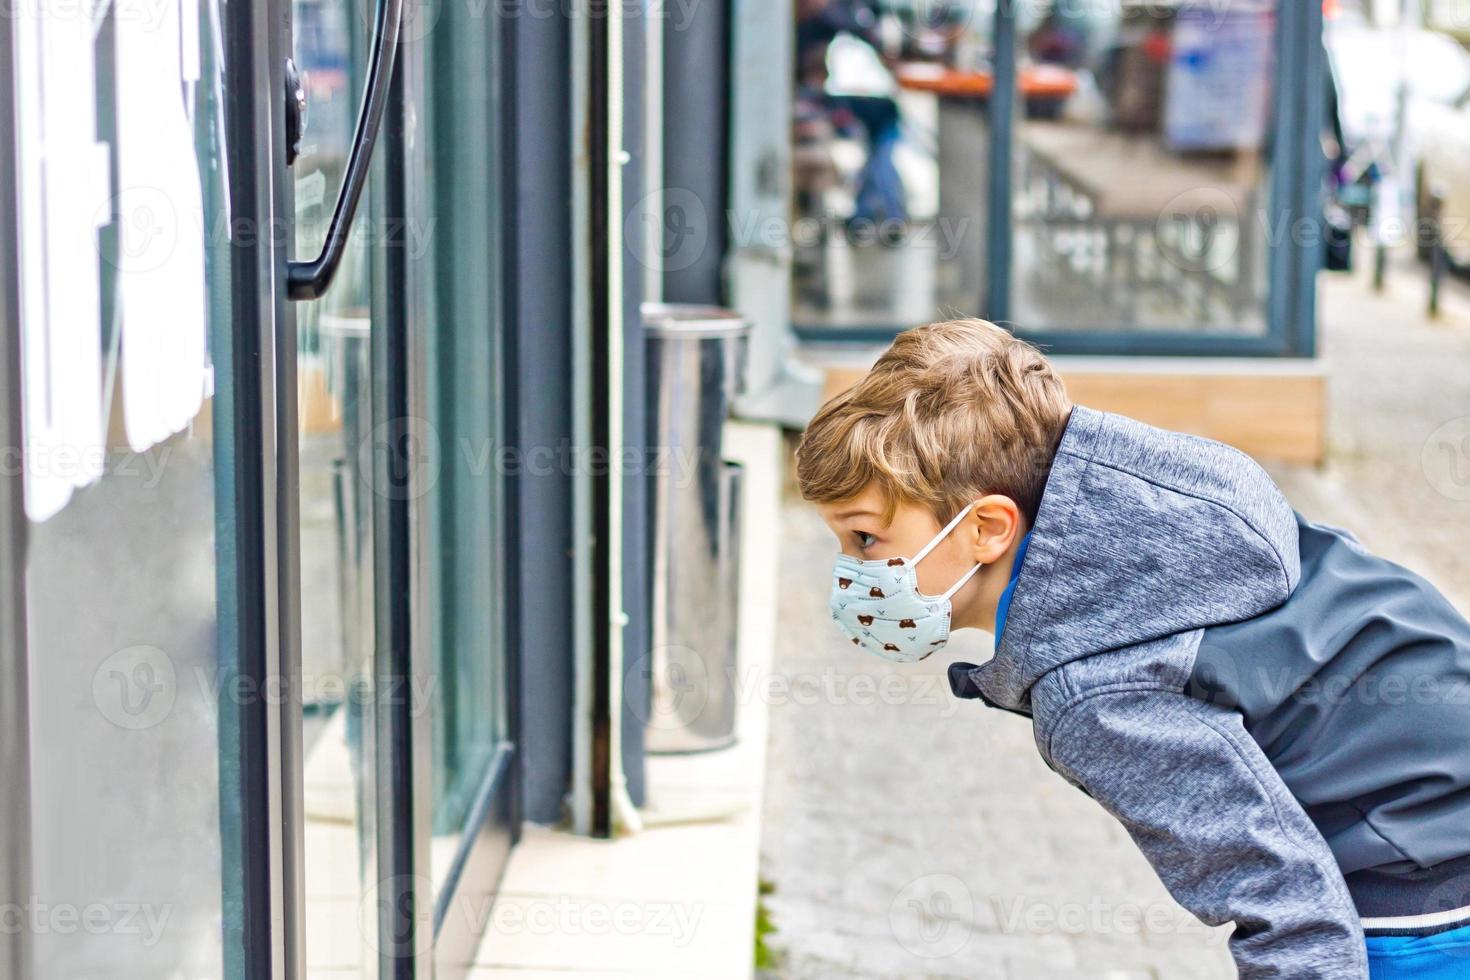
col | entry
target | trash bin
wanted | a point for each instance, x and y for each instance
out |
(696, 364)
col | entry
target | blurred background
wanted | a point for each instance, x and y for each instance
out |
(402, 572)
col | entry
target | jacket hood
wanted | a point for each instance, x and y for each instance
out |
(1141, 534)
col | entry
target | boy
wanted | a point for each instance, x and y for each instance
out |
(1279, 719)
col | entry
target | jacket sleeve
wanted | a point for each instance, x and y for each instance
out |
(1214, 819)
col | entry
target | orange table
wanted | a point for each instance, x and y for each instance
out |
(1034, 81)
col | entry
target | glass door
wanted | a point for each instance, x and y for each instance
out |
(334, 392)
(145, 350)
(451, 70)
(406, 760)
(455, 273)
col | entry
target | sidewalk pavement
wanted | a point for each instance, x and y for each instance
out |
(676, 899)
(908, 834)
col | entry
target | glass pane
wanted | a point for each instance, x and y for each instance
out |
(1142, 166)
(453, 265)
(891, 143)
(334, 392)
(124, 267)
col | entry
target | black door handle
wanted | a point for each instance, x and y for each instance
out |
(309, 280)
(295, 112)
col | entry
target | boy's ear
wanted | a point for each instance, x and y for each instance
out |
(996, 522)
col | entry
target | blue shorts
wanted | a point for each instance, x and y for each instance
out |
(1442, 956)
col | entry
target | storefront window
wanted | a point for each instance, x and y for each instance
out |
(1141, 167)
(1135, 193)
(890, 162)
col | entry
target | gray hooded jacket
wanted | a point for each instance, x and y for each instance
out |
(1274, 714)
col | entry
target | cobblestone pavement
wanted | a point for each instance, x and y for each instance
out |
(911, 835)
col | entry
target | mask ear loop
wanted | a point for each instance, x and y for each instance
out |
(935, 543)
(949, 593)
(923, 552)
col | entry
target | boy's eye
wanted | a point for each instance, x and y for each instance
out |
(864, 539)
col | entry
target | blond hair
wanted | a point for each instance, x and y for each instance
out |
(952, 411)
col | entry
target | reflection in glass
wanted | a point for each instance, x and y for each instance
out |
(334, 399)
(129, 573)
(890, 161)
(1141, 166)
(453, 271)
(1140, 159)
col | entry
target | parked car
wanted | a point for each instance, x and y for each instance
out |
(1442, 185)
(1369, 65)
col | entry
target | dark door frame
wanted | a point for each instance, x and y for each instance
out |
(261, 928)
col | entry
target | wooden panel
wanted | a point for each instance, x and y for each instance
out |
(1272, 414)
(319, 409)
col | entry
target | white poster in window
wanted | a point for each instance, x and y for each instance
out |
(63, 198)
(160, 215)
(1220, 76)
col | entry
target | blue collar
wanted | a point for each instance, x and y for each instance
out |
(1004, 605)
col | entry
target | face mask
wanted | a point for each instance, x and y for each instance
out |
(879, 606)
